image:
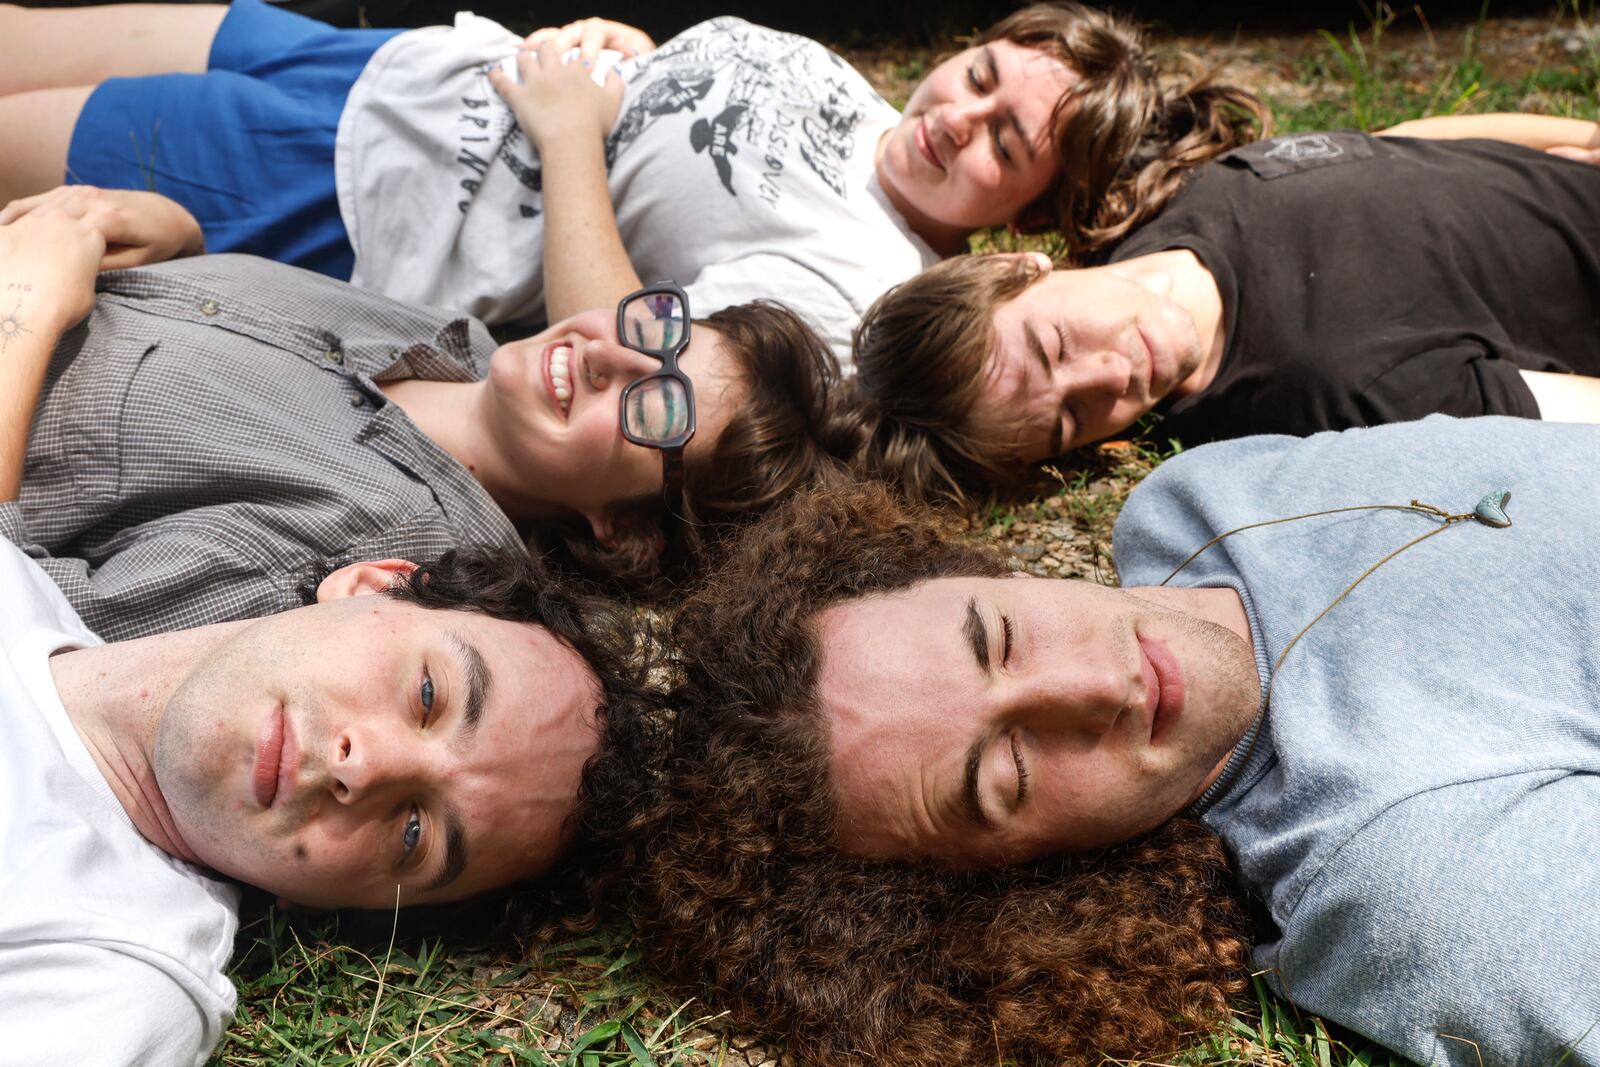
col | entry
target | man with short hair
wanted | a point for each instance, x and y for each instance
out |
(1312, 281)
(1385, 707)
(422, 745)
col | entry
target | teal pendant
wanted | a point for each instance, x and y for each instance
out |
(1491, 510)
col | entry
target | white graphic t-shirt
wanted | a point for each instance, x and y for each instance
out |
(111, 951)
(741, 166)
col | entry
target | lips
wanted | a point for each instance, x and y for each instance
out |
(1168, 685)
(925, 143)
(269, 758)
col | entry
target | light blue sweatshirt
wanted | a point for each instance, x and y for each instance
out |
(1421, 812)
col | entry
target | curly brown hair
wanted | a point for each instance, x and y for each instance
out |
(742, 891)
(1123, 143)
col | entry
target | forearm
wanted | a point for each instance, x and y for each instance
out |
(1564, 397)
(585, 264)
(1530, 131)
(29, 329)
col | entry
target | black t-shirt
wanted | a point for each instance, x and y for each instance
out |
(1367, 280)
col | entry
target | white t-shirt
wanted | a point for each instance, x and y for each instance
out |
(111, 952)
(741, 166)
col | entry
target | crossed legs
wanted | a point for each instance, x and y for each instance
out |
(51, 60)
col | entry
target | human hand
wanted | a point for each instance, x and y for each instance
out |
(48, 260)
(1576, 153)
(591, 36)
(556, 99)
(138, 227)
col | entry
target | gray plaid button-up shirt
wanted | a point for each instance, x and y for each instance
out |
(211, 441)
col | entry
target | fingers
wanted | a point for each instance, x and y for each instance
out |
(592, 36)
(1576, 153)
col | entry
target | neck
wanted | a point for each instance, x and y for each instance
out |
(943, 239)
(1178, 274)
(115, 695)
(455, 416)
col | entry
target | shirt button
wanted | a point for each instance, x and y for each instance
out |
(209, 308)
(333, 355)
(358, 401)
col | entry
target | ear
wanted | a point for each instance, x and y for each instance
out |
(604, 530)
(359, 579)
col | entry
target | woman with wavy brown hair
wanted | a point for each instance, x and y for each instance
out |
(746, 894)
(468, 168)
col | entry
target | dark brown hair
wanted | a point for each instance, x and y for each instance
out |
(786, 434)
(919, 353)
(743, 895)
(1123, 144)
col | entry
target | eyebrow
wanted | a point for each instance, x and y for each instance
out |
(475, 669)
(969, 783)
(977, 634)
(455, 852)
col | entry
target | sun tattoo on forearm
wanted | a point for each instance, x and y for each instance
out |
(11, 326)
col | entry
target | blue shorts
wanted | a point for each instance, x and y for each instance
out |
(247, 146)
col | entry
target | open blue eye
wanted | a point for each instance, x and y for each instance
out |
(427, 698)
(413, 832)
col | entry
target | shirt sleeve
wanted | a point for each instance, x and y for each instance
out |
(72, 1003)
(1459, 927)
(187, 576)
(769, 276)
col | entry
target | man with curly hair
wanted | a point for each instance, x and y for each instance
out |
(921, 810)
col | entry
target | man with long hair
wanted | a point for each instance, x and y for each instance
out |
(921, 810)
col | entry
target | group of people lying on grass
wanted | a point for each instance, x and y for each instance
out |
(318, 588)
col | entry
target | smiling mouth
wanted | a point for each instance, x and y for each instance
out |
(1168, 683)
(925, 143)
(557, 358)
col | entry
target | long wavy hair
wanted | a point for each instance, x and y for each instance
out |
(1124, 144)
(743, 896)
(786, 434)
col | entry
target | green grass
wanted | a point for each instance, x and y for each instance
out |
(321, 991)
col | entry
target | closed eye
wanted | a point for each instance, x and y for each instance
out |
(1022, 770)
(999, 144)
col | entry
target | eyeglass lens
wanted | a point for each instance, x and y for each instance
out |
(654, 322)
(657, 409)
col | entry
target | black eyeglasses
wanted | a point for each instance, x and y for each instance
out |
(658, 408)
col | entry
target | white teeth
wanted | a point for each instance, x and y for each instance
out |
(560, 376)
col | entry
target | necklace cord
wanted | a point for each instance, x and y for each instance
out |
(1447, 520)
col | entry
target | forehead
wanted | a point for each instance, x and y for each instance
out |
(1030, 80)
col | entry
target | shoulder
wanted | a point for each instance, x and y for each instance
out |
(140, 1013)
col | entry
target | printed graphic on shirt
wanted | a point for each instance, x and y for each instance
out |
(484, 123)
(751, 101)
(1298, 153)
(1304, 146)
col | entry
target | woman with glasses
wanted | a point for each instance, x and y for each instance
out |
(220, 431)
(450, 166)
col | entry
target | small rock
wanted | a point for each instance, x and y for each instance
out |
(1028, 553)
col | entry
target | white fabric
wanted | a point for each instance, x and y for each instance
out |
(111, 952)
(741, 166)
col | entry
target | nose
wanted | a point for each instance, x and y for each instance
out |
(962, 117)
(1096, 374)
(1077, 700)
(373, 762)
